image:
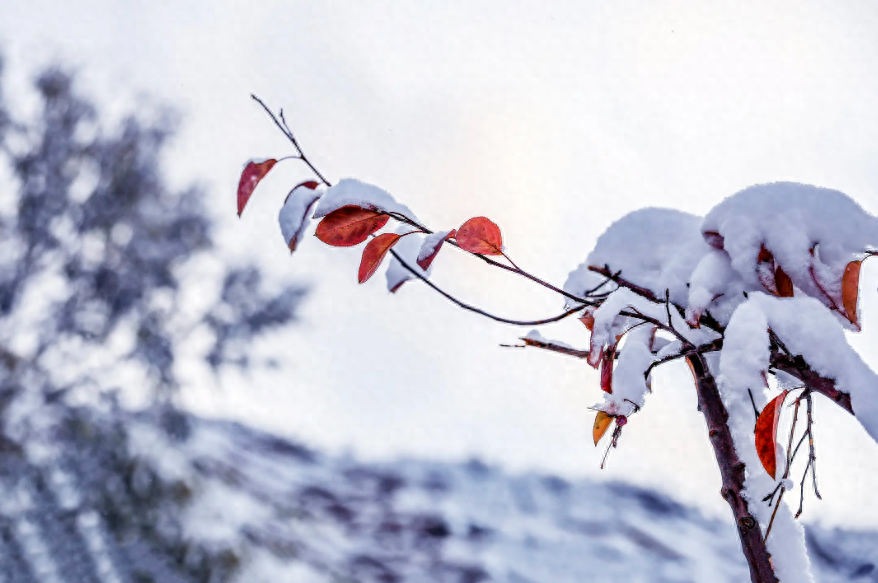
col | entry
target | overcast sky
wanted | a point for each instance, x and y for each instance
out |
(553, 121)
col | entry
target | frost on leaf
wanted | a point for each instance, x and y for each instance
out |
(374, 254)
(602, 422)
(431, 246)
(351, 192)
(349, 226)
(407, 249)
(294, 215)
(250, 177)
(480, 235)
(766, 434)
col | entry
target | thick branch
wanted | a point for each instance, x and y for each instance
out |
(797, 367)
(732, 471)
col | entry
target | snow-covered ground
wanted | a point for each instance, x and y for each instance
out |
(174, 498)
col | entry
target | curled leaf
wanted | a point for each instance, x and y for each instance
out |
(374, 253)
(601, 423)
(431, 246)
(783, 283)
(349, 226)
(250, 177)
(850, 285)
(480, 235)
(765, 270)
(766, 434)
(294, 215)
(607, 358)
(588, 320)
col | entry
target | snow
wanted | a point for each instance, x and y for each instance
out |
(350, 191)
(742, 366)
(808, 329)
(430, 243)
(538, 337)
(407, 248)
(293, 215)
(790, 220)
(655, 247)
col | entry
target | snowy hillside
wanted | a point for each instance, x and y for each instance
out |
(170, 498)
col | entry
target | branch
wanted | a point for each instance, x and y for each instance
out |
(583, 354)
(479, 311)
(797, 367)
(706, 319)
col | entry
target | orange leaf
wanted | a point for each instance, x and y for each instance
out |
(588, 320)
(374, 253)
(250, 177)
(424, 263)
(607, 358)
(601, 423)
(783, 283)
(766, 434)
(480, 235)
(850, 285)
(350, 225)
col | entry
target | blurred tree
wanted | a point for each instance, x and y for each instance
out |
(94, 247)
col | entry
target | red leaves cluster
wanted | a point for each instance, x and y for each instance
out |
(351, 225)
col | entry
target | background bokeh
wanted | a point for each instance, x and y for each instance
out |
(553, 121)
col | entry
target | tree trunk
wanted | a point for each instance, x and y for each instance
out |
(732, 470)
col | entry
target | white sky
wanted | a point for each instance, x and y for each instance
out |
(553, 121)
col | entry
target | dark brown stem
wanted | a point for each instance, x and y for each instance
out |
(479, 311)
(554, 348)
(732, 471)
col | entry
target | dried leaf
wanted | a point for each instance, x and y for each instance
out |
(294, 217)
(425, 262)
(374, 253)
(350, 225)
(588, 320)
(480, 235)
(250, 177)
(766, 434)
(850, 285)
(602, 422)
(783, 283)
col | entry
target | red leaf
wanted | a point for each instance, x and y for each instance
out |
(714, 239)
(783, 283)
(601, 423)
(480, 235)
(766, 434)
(350, 225)
(850, 286)
(425, 262)
(374, 253)
(250, 177)
(607, 358)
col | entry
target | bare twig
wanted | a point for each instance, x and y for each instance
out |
(549, 346)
